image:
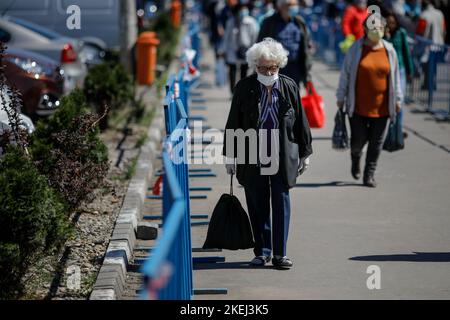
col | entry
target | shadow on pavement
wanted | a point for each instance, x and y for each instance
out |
(321, 138)
(228, 265)
(328, 184)
(415, 257)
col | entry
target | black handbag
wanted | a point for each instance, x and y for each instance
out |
(394, 139)
(229, 227)
(340, 139)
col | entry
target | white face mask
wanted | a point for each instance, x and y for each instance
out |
(268, 80)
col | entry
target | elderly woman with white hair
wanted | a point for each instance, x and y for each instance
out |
(266, 106)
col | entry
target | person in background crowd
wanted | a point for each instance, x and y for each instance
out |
(431, 24)
(288, 27)
(398, 7)
(399, 39)
(241, 32)
(334, 9)
(445, 8)
(353, 18)
(369, 86)
(265, 11)
(269, 102)
(210, 11)
(412, 9)
(225, 13)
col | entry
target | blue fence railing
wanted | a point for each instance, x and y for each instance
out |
(169, 269)
(168, 272)
(430, 84)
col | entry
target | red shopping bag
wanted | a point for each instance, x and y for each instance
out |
(313, 105)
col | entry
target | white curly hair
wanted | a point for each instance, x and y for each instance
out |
(268, 49)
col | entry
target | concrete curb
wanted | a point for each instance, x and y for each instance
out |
(111, 278)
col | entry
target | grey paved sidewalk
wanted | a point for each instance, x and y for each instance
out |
(339, 228)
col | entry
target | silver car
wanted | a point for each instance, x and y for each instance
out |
(92, 51)
(65, 50)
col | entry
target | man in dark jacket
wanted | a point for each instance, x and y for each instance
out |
(268, 135)
(288, 27)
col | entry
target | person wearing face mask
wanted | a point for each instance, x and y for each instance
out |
(240, 34)
(266, 11)
(289, 28)
(267, 104)
(370, 88)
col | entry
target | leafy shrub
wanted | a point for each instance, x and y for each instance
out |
(68, 150)
(109, 84)
(32, 219)
(169, 35)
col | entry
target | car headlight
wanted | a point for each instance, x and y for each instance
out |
(31, 66)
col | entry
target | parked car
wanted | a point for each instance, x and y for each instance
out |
(92, 51)
(38, 78)
(100, 18)
(63, 50)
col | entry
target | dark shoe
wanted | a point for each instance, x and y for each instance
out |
(283, 263)
(405, 135)
(260, 261)
(370, 182)
(356, 169)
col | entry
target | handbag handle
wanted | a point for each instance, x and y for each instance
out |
(310, 88)
(231, 185)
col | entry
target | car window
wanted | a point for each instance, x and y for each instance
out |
(4, 36)
(47, 33)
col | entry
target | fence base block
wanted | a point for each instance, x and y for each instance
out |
(208, 259)
(200, 223)
(195, 250)
(200, 189)
(201, 291)
(198, 108)
(193, 216)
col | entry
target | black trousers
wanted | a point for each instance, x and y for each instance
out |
(232, 74)
(261, 192)
(367, 130)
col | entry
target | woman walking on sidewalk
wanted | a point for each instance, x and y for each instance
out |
(268, 105)
(370, 88)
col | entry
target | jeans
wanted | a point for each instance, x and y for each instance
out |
(260, 192)
(371, 130)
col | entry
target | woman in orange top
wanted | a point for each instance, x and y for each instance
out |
(370, 84)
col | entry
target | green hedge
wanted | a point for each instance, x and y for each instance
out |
(168, 35)
(109, 83)
(33, 219)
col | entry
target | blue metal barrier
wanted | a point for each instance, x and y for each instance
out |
(430, 86)
(326, 35)
(173, 252)
(168, 272)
